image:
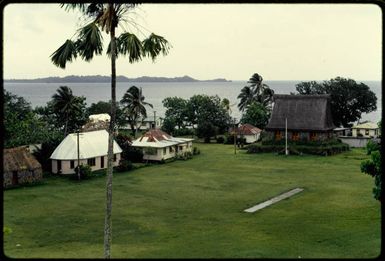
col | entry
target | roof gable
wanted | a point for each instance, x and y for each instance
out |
(303, 112)
(158, 139)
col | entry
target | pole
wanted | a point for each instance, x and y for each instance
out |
(286, 150)
(154, 119)
(78, 167)
(235, 139)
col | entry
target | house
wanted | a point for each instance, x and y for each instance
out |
(93, 148)
(158, 145)
(342, 131)
(247, 131)
(366, 129)
(147, 123)
(20, 167)
(97, 122)
(308, 118)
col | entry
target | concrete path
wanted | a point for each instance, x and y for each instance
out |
(274, 200)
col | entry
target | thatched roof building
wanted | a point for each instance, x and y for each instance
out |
(303, 113)
(20, 166)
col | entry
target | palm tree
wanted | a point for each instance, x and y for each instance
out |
(134, 106)
(107, 17)
(65, 104)
(255, 91)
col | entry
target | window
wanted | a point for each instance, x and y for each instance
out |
(164, 151)
(91, 162)
(313, 135)
(367, 132)
(114, 157)
(72, 164)
(295, 135)
(59, 166)
(102, 162)
(278, 135)
(171, 150)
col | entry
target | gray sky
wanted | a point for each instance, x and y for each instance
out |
(232, 41)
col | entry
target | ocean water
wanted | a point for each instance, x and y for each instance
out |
(38, 94)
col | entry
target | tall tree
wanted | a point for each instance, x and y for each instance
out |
(256, 114)
(67, 106)
(256, 91)
(348, 98)
(107, 17)
(134, 106)
(175, 110)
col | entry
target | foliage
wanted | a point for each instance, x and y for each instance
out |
(85, 172)
(169, 125)
(184, 156)
(196, 151)
(256, 114)
(124, 165)
(134, 106)
(7, 230)
(256, 91)
(220, 139)
(175, 110)
(184, 132)
(22, 126)
(70, 110)
(44, 153)
(372, 146)
(322, 150)
(348, 98)
(373, 167)
(206, 130)
(129, 152)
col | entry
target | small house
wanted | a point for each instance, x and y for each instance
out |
(93, 148)
(20, 167)
(97, 122)
(249, 132)
(367, 129)
(308, 118)
(158, 145)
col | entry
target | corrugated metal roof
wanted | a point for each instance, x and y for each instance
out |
(156, 138)
(91, 144)
(366, 125)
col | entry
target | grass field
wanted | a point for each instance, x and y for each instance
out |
(194, 209)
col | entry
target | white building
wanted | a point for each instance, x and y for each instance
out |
(247, 131)
(93, 148)
(158, 145)
(367, 129)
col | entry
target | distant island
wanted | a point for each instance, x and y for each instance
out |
(101, 79)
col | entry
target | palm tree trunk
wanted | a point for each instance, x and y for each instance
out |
(107, 221)
(66, 126)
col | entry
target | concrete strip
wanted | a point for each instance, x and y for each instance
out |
(273, 200)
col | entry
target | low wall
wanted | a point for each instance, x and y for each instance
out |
(355, 142)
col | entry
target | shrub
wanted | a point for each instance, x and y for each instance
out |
(372, 146)
(196, 151)
(220, 139)
(85, 172)
(124, 165)
(373, 168)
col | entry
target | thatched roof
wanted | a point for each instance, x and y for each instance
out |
(303, 113)
(19, 158)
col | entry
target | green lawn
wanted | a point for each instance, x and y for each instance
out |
(194, 208)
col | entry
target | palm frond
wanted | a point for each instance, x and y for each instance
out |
(73, 6)
(128, 44)
(154, 45)
(64, 54)
(90, 41)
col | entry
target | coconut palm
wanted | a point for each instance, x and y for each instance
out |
(106, 17)
(65, 104)
(255, 91)
(134, 106)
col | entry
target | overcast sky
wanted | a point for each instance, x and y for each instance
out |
(232, 41)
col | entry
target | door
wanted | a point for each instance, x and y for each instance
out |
(15, 178)
(59, 166)
(102, 162)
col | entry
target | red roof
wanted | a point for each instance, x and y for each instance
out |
(155, 134)
(247, 129)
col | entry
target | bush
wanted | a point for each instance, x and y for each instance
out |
(372, 146)
(85, 172)
(124, 165)
(183, 132)
(220, 139)
(196, 151)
